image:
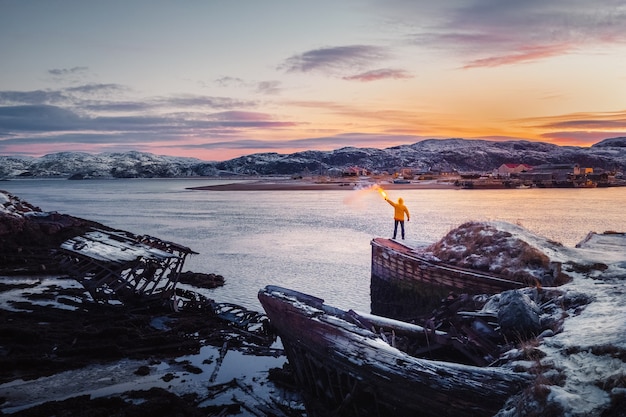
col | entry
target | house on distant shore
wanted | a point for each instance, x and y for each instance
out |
(505, 170)
(558, 174)
(354, 172)
(406, 173)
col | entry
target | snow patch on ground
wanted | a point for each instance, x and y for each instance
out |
(583, 371)
(14, 206)
(590, 351)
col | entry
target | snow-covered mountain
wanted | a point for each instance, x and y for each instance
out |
(104, 165)
(432, 154)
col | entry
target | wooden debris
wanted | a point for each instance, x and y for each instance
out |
(119, 265)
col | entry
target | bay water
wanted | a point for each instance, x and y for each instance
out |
(314, 241)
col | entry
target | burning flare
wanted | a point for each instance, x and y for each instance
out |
(381, 191)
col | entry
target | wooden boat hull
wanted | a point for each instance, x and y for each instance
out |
(405, 285)
(346, 369)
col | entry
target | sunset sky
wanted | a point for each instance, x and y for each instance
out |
(216, 79)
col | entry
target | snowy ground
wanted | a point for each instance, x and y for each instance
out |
(588, 356)
(584, 364)
(583, 372)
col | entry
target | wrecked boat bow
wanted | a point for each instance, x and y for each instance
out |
(348, 364)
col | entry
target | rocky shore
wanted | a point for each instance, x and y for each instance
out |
(61, 353)
(49, 326)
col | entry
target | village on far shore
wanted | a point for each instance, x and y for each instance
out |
(508, 175)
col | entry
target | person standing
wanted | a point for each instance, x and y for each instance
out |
(398, 216)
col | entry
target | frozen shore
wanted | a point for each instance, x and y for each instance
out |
(585, 363)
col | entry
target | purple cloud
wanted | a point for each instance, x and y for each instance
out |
(379, 74)
(488, 33)
(57, 72)
(332, 59)
(268, 87)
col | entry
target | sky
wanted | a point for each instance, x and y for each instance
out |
(218, 79)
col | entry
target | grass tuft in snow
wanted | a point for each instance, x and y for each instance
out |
(484, 247)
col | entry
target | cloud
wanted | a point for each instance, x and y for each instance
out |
(68, 96)
(319, 143)
(69, 75)
(487, 33)
(98, 89)
(229, 81)
(579, 138)
(246, 119)
(583, 129)
(118, 106)
(262, 87)
(597, 121)
(148, 104)
(48, 122)
(524, 54)
(203, 101)
(379, 74)
(268, 87)
(32, 97)
(67, 71)
(37, 118)
(81, 138)
(98, 98)
(589, 124)
(355, 139)
(335, 59)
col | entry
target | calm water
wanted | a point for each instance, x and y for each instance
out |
(312, 241)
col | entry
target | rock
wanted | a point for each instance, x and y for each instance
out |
(518, 315)
(28, 236)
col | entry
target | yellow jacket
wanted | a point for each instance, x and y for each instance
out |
(399, 210)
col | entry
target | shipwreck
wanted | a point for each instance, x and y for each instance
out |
(357, 364)
(444, 337)
(141, 270)
(407, 283)
(118, 265)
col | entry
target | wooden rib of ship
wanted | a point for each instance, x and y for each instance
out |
(357, 364)
(405, 285)
(120, 266)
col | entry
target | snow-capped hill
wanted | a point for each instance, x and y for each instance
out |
(13, 166)
(430, 145)
(428, 155)
(611, 142)
(104, 165)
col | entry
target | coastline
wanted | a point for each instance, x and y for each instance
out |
(312, 184)
(304, 185)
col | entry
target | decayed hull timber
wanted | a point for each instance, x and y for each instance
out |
(405, 285)
(346, 369)
(118, 265)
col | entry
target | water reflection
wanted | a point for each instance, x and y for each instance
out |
(311, 241)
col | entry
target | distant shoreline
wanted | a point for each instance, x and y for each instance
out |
(304, 185)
